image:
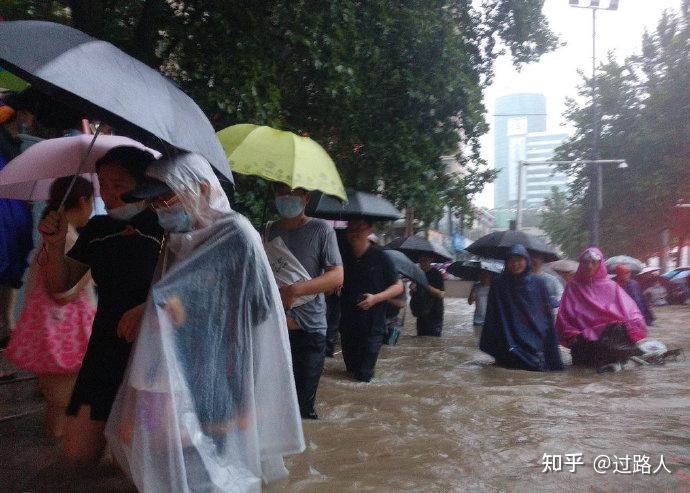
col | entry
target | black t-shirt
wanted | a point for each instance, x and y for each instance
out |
(435, 279)
(373, 272)
(122, 257)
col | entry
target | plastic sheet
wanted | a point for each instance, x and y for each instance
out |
(208, 402)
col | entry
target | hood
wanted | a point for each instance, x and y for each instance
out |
(519, 251)
(600, 274)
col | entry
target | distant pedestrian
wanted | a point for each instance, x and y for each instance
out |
(430, 317)
(632, 287)
(553, 285)
(479, 296)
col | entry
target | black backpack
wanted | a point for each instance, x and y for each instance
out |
(420, 302)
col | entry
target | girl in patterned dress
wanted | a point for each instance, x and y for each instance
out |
(52, 332)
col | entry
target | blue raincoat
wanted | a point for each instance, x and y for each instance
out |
(518, 327)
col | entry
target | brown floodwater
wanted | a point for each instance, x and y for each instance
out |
(439, 417)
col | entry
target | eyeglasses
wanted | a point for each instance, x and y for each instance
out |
(160, 203)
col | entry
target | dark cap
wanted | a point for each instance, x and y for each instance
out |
(149, 189)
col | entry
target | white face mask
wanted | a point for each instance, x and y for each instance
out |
(127, 211)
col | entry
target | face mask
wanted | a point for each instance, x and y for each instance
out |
(126, 212)
(289, 206)
(174, 219)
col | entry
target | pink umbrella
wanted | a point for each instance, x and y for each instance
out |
(29, 175)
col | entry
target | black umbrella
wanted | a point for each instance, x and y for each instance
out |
(407, 268)
(471, 269)
(106, 84)
(416, 246)
(497, 245)
(359, 204)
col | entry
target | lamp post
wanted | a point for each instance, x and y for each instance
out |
(593, 162)
(594, 5)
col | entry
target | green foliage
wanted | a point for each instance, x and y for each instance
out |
(388, 88)
(645, 120)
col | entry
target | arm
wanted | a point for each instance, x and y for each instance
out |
(438, 293)
(329, 281)
(391, 291)
(398, 301)
(62, 272)
(435, 287)
(71, 295)
(472, 297)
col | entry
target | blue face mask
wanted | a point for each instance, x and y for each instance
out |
(174, 219)
(126, 212)
(289, 206)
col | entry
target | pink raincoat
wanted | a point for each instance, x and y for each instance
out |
(590, 304)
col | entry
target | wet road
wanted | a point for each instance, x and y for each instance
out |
(437, 417)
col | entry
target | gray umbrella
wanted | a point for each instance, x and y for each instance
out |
(406, 267)
(106, 84)
(359, 204)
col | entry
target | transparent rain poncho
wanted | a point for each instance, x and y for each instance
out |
(208, 400)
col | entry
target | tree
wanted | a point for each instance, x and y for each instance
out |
(387, 88)
(643, 105)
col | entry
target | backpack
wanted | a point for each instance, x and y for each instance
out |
(420, 303)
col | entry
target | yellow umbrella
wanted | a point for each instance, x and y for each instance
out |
(281, 156)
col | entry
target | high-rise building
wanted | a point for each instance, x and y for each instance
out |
(541, 179)
(516, 116)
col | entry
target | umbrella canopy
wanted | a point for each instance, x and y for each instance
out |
(29, 175)
(407, 268)
(470, 270)
(108, 85)
(634, 264)
(564, 265)
(497, 245)
(359, 204)
(649, 270)
(416, 246)
(282, 156)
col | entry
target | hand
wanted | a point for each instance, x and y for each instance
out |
(368, 301)
(53, 229)
(129, 324)
(288, 295)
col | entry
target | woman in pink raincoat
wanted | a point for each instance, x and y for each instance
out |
(597, 315)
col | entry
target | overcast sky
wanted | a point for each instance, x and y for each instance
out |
(555, 74)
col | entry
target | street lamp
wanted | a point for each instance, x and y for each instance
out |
(594, 5)
(599, 187)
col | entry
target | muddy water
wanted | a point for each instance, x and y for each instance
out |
(437, 417)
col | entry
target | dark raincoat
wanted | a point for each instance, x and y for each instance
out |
(518, 328)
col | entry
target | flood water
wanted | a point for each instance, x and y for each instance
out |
(438, 417)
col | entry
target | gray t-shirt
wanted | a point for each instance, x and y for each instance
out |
(315, 246)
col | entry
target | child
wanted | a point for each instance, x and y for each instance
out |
(52, 332)
(479, 295)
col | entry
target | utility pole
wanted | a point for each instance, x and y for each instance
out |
(595, 171)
